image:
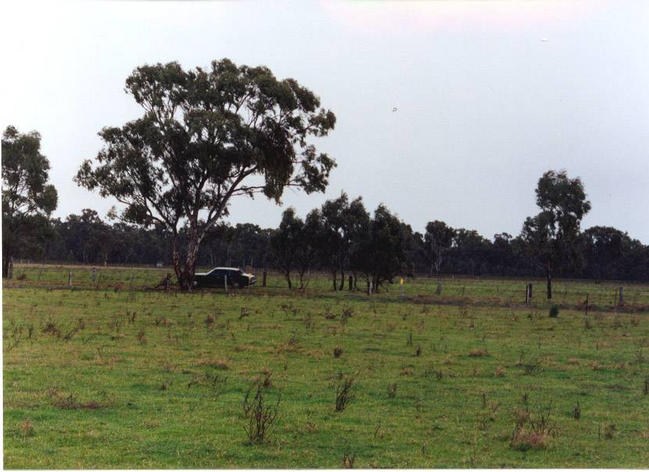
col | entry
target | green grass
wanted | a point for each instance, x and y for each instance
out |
(102, 388)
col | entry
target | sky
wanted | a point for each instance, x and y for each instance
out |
(489, 95)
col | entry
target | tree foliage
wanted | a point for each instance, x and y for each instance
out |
(552, 234)
(207, 136)
(27, 198)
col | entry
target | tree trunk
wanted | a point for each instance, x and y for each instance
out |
(5, 262)
(175, 259)
(341, 287)
(190, 263)
(334, 276)
(548, 274)
(287, 274)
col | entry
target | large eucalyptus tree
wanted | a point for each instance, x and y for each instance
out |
(206, 137)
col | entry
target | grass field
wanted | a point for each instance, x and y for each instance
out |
(106, 377)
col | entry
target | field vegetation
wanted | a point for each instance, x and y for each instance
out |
(115, 375)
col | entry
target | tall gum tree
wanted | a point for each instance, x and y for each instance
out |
(27, 198)
(207, 136)
(552, 234)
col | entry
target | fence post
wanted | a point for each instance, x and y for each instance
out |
(263, 279)
(10, 270)
(350, 282)
(438, 291)
(620, 300)
(70, 279)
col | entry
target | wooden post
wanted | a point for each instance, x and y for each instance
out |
(350, 282)
(70, 279)
(263, 279)
(439, 288)
(528, 294)
(620, 300)
(94, 275)
(10, 270)
(225, 279)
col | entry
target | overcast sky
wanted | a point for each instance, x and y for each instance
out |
(489, 95)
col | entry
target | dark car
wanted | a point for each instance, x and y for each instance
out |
(218, 276)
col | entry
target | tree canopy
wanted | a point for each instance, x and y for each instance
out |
(27, 198)
(552, 234)
(207, 136)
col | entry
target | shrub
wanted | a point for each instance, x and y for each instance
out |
(554, 311)
(532, 431)
(344, 393)
(259, 413)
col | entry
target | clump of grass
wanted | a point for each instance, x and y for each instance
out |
(26, 428)
(392, 390)
(347, 313)
(554, 311)
(51, 328)
(348, 460)
(215, 362)
(344, 393)
(338, 351)
(259, 412)
(576, 411)
(609, 431)
(532, 430)
(70, 402)
(478, 353)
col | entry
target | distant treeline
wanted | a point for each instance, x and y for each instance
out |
(600, 252)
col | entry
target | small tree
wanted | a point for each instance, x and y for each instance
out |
(437, 242)
(285, 243)
(208, 136)
(551, 235)
(309, 245)
(27, 198)
(343, 223)
(383, 251)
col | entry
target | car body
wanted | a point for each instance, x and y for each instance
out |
(217, 278)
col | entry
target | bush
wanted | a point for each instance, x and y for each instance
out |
(554, 311)
(344, 393)
(260, 415)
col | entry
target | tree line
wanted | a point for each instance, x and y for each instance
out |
(207, 136)
(342, 239)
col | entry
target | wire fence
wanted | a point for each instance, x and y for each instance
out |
(608, 294)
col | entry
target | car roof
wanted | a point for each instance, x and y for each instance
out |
(226, 268)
